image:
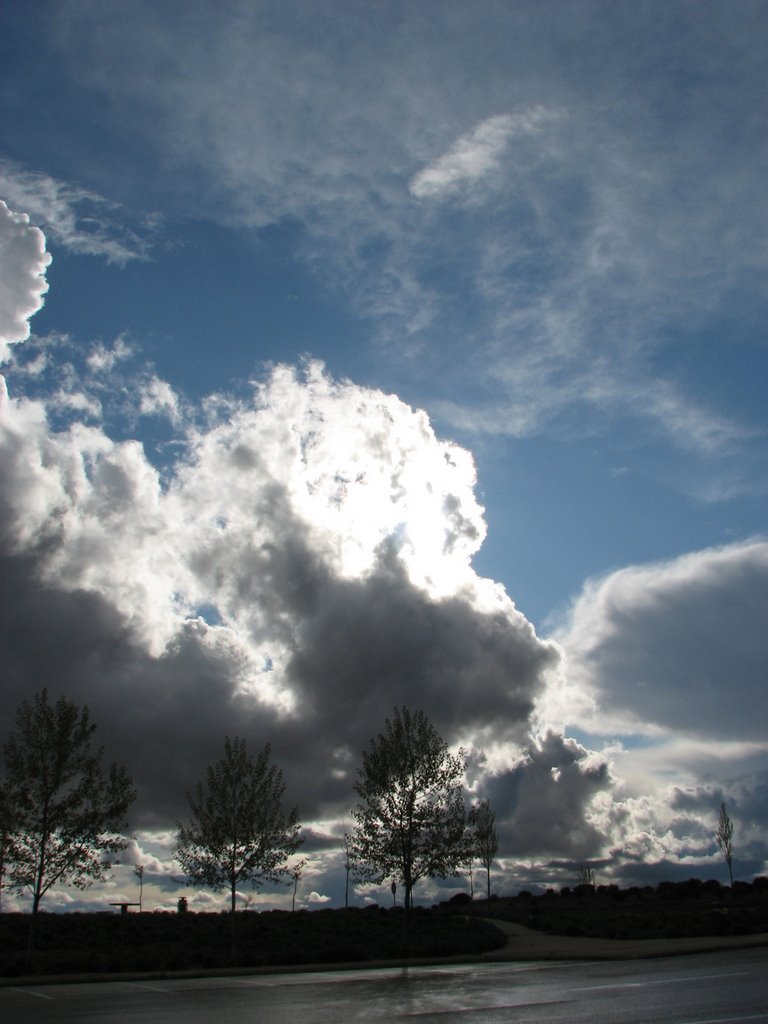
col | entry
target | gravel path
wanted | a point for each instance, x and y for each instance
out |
(527, 944)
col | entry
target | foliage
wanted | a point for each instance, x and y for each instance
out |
(7, 837)
(411, 818)
(586, 875)
(347, 850)
(724, 838)
(239, 832)
(67, 813)
(484, 842)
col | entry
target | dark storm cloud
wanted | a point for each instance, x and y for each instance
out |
(253, 530)
(680, 644)
(542, 803)
(163, 718)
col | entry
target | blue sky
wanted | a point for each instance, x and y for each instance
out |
(480, 288)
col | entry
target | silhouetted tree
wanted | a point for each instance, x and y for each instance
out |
(7, 828)
(724, 836)
(586, 875)
(68, 812)
(483, 840)
(139, 872)
(346, 852)
(239, 832)
(296, 871)
(411, 818)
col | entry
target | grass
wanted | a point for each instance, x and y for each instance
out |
(114, 943)
(106, 942)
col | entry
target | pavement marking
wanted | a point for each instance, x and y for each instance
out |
(31, 992)
(661, 981)
(727, 1020)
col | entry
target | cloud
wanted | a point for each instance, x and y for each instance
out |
(664, 668)
(317, 898)
(476, 154)
(301, 567)
(676, 646)
(293, 565)
(543, 802)
(23, 262)
(81, 221)
(570, 304)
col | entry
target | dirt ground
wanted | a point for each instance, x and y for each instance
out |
(527, 944)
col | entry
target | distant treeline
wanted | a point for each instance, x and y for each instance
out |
(668, 910)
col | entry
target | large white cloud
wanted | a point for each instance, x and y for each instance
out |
(300, 569)
(23, 262)
(677, 646)
(665, 668)
(305, 564)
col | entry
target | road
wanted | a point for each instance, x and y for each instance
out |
(714, 988)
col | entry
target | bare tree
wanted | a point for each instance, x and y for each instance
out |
(68, 813)
(724, 836)
(139, 872)
(347, 848)
(411, 818)
(296, 871)
(586, 875)
(484, 843)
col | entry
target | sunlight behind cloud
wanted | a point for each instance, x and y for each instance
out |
(532, 231)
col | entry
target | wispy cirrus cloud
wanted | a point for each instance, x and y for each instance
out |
(616, 230)
(79, 220)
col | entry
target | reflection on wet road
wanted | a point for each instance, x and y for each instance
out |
(715, 988)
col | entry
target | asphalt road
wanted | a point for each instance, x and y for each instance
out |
(712, 988)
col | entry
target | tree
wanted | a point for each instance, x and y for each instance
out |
(296, 871)
(67, 812)
(724, 838)
(411, 818)
(347, 851)
(7, 841)
(586, 875)
(483, 840)
(139, 872)
(239, 832)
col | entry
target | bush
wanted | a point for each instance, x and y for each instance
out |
(72, 943)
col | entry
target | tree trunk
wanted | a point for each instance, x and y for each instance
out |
(232, 926)
(407, 906)
(31, 933)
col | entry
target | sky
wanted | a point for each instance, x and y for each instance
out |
(358, 355)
